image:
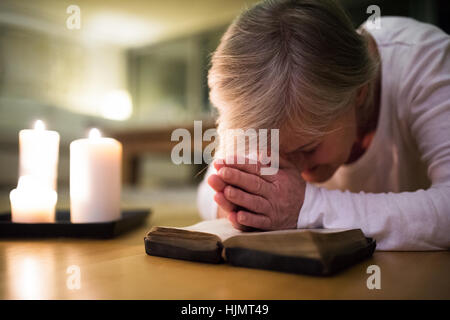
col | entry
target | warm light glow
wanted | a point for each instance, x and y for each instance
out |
(117, 105)
(94, 133)
(121, 29)
(31, 271)
(32, 201)
(39, 125)
(95, 179)
(31, 190)
(29, 285)
(38, 154)
(28, 183)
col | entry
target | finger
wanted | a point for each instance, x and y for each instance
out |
(218, 163)
(243, 164)
(226, 205)
(221, 162)
(249, 201)
(222, 213)
(253, 220)
(246, 181)
(216, 182)
(233, 219)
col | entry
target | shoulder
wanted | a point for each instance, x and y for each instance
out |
(415, 61)
(405, 31)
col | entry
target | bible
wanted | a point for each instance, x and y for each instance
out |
(304, 251)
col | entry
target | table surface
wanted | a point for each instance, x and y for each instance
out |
(120, 269)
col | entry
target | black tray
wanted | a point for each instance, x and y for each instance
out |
(62, 227)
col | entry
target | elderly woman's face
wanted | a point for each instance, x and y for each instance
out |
(318, 158)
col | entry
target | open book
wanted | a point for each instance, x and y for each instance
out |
(308, 251)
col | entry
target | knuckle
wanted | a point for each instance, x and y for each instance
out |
(235, 194)
(232, 175)
(277, 186)
(225, 173)
(258, 206)
(258, 185)
(242, 217)
(229, 192)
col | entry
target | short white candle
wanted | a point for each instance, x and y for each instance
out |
(95, 179)
(32, 202)
(38, 154)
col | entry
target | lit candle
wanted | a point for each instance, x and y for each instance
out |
(31, 202)
(95, 179)
(38, 154)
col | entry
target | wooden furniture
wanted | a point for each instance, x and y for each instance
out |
(120, 269)
(137, 143)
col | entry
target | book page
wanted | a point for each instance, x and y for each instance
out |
(220, 227)
(224, 229)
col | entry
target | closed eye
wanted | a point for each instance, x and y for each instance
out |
(306, 149)
(310, 151)
(299, 151)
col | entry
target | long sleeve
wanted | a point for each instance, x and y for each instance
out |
(417, 220)
(403, 221)
(205, 198)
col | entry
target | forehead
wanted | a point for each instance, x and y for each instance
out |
(291, 140)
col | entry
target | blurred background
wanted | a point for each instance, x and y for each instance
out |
(135, 69)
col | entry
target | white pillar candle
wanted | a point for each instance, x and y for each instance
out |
(32, 202)
(95, 179)
(38, 154)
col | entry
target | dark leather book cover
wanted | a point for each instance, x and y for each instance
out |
(306, 252)
(183, 244)
(314, 252)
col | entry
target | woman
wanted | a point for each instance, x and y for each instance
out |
(364, 119)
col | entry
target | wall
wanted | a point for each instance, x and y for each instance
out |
(57, 79)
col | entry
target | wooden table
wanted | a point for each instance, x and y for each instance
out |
(120, 269)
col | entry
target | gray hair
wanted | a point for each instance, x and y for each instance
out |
(289, 63)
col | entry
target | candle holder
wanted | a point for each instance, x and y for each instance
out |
(63, 227)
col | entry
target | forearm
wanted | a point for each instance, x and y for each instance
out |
(398, 221)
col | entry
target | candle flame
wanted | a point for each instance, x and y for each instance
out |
(39, 125)
(94, 133)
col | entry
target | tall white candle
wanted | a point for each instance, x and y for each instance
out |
(31, 202)
(38, 154)
(95, 179)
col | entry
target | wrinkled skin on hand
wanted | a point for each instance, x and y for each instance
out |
(249, 199)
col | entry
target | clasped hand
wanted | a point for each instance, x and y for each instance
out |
(249, 199)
